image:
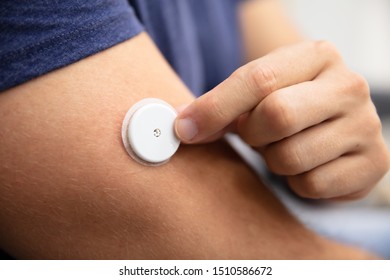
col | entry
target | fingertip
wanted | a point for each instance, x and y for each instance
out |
(185, 129)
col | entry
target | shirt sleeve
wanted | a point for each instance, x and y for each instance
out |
(40, 36)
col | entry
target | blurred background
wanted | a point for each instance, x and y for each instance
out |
(361, 31)
(359, 28)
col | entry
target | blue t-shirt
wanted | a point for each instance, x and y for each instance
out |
(199, 38)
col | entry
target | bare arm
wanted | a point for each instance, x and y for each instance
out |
(68, 189)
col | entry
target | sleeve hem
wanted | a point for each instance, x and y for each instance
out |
(67, 48)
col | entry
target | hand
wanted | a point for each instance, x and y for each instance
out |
(309, 116)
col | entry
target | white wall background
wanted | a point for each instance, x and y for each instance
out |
(359, 28)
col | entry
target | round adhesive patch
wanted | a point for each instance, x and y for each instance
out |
(148, 132)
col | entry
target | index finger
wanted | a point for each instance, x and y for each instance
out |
(250, 84)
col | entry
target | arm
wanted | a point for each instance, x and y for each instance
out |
(68, 189)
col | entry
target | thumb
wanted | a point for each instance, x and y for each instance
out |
(215, 113)
(246, 88)
(187, 128)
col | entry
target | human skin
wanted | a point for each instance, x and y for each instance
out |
(299, 106)
(69, 190)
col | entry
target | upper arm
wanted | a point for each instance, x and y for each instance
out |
(68, 188)
(61, 152)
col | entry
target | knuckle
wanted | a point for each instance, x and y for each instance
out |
(216, 109)
(360, 82)
(279, 115)
(239, 74)
(371, 125)
(359, 86)
(375, 124)
(311, 185)
(285, 159)
(326, 47)
(262, 78)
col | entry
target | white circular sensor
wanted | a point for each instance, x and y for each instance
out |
(148, 132)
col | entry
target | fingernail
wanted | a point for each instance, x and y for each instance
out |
(186, 129)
